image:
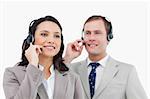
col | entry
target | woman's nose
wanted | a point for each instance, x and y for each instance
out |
(50, 40)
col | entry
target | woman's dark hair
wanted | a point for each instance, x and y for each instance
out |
(57, 60)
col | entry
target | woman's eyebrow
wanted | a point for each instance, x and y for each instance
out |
(44, 31)
(57, 32)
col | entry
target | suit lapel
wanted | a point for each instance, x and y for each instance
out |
(84, 77)
(61, 83)
(109, 72)
(42, 92)
(41, 89)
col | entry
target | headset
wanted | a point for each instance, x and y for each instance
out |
(109, 33)
(109, 28)
(30, 37)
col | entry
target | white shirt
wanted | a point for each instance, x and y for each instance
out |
(99, 69)
(49, 83)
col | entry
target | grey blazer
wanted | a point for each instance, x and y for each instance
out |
(119, 81)
(20, 82)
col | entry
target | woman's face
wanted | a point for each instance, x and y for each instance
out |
(48, 35)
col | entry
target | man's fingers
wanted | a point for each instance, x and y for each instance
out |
(79, 45)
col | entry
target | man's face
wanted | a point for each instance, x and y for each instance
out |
(95, 37)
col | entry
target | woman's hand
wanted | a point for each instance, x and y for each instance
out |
(32, 54)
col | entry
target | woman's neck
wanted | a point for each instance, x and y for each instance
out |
(46, 63)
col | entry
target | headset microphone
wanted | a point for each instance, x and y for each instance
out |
(82, 38)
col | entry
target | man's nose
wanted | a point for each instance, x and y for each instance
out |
(91, 36)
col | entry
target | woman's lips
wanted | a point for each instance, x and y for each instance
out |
(50, 47)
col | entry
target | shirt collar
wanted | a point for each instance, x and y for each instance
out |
(102, 61)
(51, 69)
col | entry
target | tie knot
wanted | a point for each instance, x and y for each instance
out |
(94, 65)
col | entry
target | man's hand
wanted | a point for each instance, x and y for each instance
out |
(73, 50)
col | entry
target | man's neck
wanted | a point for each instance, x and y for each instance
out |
(96, 57)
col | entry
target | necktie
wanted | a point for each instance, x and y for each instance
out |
(92, 77)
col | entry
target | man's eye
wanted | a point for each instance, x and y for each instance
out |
(98, 32)
(87, 32)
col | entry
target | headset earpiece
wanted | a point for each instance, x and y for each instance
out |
(109, 36)
(30, 38)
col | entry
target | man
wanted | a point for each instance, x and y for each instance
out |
(102, 76)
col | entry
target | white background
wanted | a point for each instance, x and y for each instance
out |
(129, 20)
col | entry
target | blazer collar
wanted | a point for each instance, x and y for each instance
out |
(42, 92)
(109, 73)
(84, 77)
(60, 86)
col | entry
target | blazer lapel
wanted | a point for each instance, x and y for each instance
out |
(61, 83)
(42, 92)
(41, 89)
(84, 77)
(109, 72)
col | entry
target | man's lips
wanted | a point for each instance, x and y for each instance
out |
(92, 45)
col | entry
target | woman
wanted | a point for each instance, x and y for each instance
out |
(42, 74)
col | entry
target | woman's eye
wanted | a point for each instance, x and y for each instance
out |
(57, 36)
(44, 34)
